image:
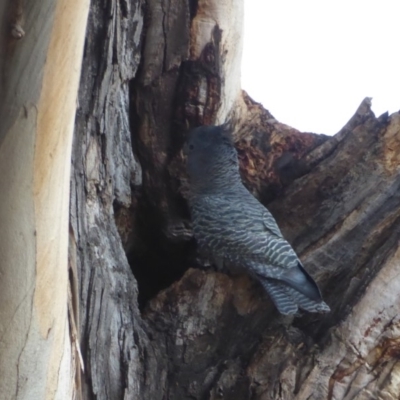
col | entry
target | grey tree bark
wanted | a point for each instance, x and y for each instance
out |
(130, 311)
(154, 327)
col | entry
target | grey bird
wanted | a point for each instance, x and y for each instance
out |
(233, 228)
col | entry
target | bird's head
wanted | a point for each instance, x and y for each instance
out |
(212, 162)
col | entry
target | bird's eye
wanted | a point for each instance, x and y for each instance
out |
(191, 147)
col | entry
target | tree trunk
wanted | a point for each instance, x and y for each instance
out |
(41, 55)
(151, 324)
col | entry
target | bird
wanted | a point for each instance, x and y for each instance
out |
(234, 230)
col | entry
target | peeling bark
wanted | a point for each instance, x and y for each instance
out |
(131, 316)
(120, 361)
(155, 328)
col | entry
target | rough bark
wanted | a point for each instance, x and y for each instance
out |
(120, 360)
(342, 216)
(152, 327)
(41, 45)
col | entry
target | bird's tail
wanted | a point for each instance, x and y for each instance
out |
(287, 299)
(282, 301)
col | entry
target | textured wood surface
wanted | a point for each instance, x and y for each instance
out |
(41, 48)
(154, 327)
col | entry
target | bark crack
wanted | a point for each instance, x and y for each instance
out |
(165, 33)
(23, 348)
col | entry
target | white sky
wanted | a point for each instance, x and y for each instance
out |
(312, 62)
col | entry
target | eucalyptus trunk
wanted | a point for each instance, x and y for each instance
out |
(129, 310)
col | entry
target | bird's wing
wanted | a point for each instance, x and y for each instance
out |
(305, 302)
(282, 300)
(287, 300)
(295, 277)
(270, 223)
(255, 211)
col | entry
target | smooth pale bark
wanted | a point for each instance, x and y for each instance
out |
(40, 77)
